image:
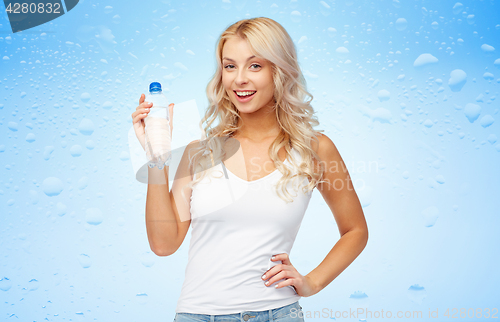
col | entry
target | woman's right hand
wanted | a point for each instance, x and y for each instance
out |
(141, 112)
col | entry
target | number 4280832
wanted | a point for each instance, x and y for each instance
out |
(472, 313)
(33, 8)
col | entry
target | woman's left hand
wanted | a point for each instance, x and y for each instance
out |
(302, 284)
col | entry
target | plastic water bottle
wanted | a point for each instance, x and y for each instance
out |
(157, 129)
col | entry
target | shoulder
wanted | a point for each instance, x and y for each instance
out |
(188, 151)
(327, 152)
(324, 145)
(192, 146)
(192, 142)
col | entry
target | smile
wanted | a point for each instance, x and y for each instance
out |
(245, 96)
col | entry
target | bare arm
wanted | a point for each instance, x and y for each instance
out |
(165, 229)
(343, 201)
(167, 212)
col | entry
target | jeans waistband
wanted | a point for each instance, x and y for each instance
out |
(245, 316)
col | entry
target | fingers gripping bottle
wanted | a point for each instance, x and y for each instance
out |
(157, 129)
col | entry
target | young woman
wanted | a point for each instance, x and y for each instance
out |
(258, 96)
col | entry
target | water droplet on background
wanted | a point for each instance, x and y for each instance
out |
(124, 156)
(60, 209)
(89, 144)
(424, 60)
(142, 298)
(296, 16)
(324, 8)
(384, 95)
(428, 123)
(5, 284)
(332, 31)
(76, 150)
(472, 111)
(47, 152)
(148, 259)
(33, 196)
(52, 186)
(86, 127)
(457, 80)
(487, 48)
(13, 126)
(107, 105)
(416, 293)
(486, 120)
(83, 182)
(84, 260)
(85, 97)
(33, 285)
(430, 216)
(93, 216)
(457, 8)
(358, 299)
(488, 76)
(440, 179)
(401, 24)
(116, 19)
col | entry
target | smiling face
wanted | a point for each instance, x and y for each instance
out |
(243, 73)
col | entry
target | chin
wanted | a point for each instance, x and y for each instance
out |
(246, 110)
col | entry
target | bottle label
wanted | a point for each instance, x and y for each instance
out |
(158, 140)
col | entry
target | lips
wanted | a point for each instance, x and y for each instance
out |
(244, 98)
(246, 92)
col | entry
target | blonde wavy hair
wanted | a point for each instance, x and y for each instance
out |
(295, 115)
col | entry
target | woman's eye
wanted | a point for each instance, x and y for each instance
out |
(232, 66)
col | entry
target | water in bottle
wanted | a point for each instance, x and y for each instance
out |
(157, 129)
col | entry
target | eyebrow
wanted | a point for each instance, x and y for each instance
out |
(233, 60)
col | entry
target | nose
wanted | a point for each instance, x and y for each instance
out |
(241, 77)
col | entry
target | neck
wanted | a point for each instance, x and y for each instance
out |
(258, 126)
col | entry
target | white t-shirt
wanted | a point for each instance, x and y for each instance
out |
(237, 226)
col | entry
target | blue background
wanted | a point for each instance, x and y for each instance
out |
(420, 142)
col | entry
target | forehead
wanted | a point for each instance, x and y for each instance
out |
(236, 47)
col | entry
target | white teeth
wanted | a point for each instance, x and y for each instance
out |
(244, 93)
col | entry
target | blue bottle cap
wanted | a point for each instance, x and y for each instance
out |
(155, 87)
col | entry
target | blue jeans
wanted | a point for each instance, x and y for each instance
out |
(288, 313)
